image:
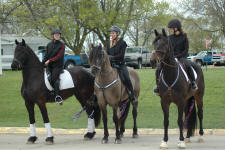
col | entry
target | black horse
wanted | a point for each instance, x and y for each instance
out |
(34, 91)
(175, 88)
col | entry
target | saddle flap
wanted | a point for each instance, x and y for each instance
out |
(66, 81)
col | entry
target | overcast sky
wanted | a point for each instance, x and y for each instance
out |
(172, 3)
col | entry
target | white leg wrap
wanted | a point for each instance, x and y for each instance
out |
(91, 125)
(163, 145)
(32, 130)
(48, 129)
(181, 144)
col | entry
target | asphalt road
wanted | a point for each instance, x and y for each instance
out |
(76, 142)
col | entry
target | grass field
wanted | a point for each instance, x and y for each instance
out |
(13, 111)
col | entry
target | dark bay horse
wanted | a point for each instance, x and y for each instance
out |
(34, 91)
(175, 88)
(110, 91)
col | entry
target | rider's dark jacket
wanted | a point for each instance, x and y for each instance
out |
(180, 45)
(55, 51)
(117, 52)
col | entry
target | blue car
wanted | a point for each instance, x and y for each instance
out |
(70, 60)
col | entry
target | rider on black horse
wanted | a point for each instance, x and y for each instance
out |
(54, 59)
(180, 46)
(116, 51)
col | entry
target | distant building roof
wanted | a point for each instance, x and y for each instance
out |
(10, 39)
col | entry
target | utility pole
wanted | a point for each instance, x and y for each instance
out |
(1, 43)
(0, 49)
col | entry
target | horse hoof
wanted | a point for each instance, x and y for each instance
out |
(163, 145)
(49, 140)
(104, 141)
(89, 136)
(187, 140)
(135, 136)
(181, 144)
(200, 139)
(118, 141)
(31, 140)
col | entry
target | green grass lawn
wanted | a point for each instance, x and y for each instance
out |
(13, 111)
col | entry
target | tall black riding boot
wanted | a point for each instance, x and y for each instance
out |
(192, 77)
(58, 98)
(131, 91)
(128, 83)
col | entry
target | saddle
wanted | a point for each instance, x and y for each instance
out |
(65, 77)
(184, 70)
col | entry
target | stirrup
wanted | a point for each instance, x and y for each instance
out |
(60, 101)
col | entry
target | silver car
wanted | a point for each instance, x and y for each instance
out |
(137, 57)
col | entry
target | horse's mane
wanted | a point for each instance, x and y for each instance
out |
(95, 52)
(29, 51)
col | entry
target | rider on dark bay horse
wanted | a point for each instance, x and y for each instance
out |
(53, 59)
(116, 51)
(180, 46)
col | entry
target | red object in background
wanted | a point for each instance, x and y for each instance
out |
(207, 42)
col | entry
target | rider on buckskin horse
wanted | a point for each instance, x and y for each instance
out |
(180, 46)
(54, 59)
(116, 51)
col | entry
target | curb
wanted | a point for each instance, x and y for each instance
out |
(141, 131)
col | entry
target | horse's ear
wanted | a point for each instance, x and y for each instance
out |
(164, 32)
(16, 42)
(156, 32)
(23, 42)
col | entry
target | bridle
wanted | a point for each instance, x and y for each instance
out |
(164, 55)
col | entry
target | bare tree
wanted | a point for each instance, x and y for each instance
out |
(113, 12)
(211, 10)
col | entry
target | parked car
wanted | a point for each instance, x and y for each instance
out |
(70, 60)
(137, 57)
(84, 59)
(208, 57)
(219, 57)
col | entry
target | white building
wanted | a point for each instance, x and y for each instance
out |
(8, 46)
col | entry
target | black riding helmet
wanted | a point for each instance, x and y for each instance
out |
(175, 23)
(115, 28)
(56, 31)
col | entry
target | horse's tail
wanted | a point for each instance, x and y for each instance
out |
(125, 112)
(97, 112)
(190, 121)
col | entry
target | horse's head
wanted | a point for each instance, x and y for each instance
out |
(161, 45)
(20, 55)
(97, 59)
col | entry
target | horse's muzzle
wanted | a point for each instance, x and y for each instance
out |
(16, 65)
(95, 70)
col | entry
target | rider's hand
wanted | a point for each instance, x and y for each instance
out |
(47, 62)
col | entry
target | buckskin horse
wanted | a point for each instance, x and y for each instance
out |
(34, 91)
(175, 88)
(110, 90)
